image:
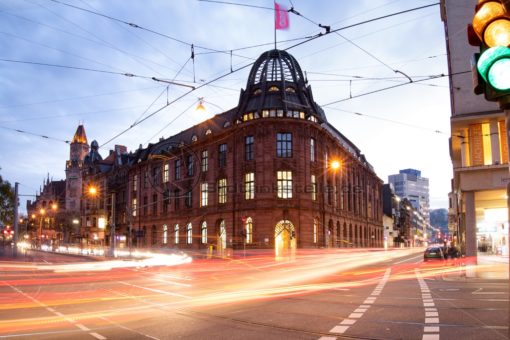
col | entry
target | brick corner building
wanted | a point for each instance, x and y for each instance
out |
(271, 173)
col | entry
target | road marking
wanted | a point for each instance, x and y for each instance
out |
(155, 290)
(97, 336)
(83, 328)
(358, 312)
(431, 314)
(408, 260)
(53, 311)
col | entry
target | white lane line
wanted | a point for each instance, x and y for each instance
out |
(431, 313)
(97, 336)
(83, 328)
(339, 329)
(53, 311)
(358, 312)
(327, 338)
(155, 290)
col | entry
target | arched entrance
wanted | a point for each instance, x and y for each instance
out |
(284, 239)
(221, 238)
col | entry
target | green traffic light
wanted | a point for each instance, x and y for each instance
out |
(494, 67)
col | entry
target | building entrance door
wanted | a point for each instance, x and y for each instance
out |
(221, 243)
(284, 240)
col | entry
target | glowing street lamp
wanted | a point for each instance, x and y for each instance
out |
(335, 165)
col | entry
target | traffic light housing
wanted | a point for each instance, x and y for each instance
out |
(490, 30)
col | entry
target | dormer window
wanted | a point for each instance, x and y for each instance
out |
(226, 125)
(273, 89)
(208, 132)
(194, 139)
(248, 116)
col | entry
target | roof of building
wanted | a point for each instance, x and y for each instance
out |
(79, 135)
(277, 82)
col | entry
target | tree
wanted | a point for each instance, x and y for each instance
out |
(6, 202)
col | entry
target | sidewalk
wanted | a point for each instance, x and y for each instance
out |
(488, 267)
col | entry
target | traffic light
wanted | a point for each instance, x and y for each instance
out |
(490, 30)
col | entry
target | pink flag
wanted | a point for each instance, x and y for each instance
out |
(281, 17)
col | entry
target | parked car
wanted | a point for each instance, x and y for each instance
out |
(433, 253)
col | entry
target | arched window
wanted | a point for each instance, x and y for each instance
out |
(315, 229)
(189, 234)
(203, 232)
(273, 89)
(176, 234)
(248, 228)
(165, 234)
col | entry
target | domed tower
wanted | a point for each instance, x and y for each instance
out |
(77, 151)
(276, 87)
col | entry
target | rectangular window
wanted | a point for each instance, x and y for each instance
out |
(146, 179)
(189, 166)
(155, 175)
(205, 160)
(314, 188)
(284, 184)
(154, 204)
(487, 146)
(312, 149)
(249, 186)
(135, 182)
(166, 170)
(133, 206)
(284, 145)
(204, 194)
(176, 234)
(166, 200)
(248, 148)
(188, 199)
(145, 205)
(222, 191)
(177, 194)
(222, 155)
(177, 169)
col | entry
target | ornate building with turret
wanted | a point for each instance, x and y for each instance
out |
(270, 173)
(77, 152)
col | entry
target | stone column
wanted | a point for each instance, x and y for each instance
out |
(469, 202)
(494, 128)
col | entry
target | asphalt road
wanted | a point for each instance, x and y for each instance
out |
(318, 294)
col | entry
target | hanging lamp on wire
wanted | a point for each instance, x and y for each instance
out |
(200, 107)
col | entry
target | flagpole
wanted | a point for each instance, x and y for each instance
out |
(274, 23)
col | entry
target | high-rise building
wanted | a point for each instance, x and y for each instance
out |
(409, 183)
(478, 146)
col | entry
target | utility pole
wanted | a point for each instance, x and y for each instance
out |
(16, 229)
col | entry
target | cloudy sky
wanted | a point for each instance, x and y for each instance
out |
(66, 62)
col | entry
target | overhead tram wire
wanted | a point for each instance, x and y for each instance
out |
(34, 134)
(73, 23)
(214, 79)
(143, 28)
(250, 64)
(84, 38)
(129, 75)
(388, 120)
(394, 86)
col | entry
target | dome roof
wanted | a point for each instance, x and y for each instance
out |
(276, 82)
